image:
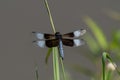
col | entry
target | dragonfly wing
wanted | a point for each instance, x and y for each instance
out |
(47, 43)
(75, 33)
(52, 43)
(68, 42)
(73, 42)
(78, 42)
(43, 36)
(40, 43)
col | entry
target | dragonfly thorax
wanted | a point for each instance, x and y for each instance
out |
(58, 35)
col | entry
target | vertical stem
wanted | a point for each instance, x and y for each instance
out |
(57, 63)
(49, 13)
(54, 66)
(64, 76)
(103, 68)
(55, 49)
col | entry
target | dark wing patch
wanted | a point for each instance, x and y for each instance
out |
(73, 42)
(52, 43)
(49, 36)
(75, 33)
(68, 42)
(71, 34)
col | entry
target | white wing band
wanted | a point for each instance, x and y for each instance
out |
(39, 35)
(78, 42)
(41, 44)
(79, 33)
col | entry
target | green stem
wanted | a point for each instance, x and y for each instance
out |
(64, 76)
(104, 57)
(103, 68)
(55, 49)
(109, 75)
(50, 16)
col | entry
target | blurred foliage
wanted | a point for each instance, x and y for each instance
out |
(100, 37)
(113, 14)
(97, 43)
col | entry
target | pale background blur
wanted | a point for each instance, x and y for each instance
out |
(18, 18)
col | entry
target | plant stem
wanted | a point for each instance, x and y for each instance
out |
(55, 49)
(64, 76)
(50, 16)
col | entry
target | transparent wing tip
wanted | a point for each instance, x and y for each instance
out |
(78, 42)
(40, 43)
(83, 31)
(79, 32)
(38, 35)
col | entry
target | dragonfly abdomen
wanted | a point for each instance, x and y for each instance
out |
(61, 49)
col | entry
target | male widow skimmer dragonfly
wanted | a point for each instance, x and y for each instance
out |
(58, 40)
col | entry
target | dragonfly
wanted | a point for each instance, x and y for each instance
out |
(58, 40)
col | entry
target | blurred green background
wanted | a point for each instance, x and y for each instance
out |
(18, 18)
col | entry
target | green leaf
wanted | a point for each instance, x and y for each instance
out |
(116, 37)
(95, 48)
(48, 54)
(97, 32)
